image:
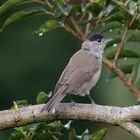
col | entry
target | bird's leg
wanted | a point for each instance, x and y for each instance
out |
(72, 102)
(92, 102)
(71, 99)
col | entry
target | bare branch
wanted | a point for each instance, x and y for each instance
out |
(132, 128)
(122, 116)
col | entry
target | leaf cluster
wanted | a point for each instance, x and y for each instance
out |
(108, 17)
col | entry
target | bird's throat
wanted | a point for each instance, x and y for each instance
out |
(93, 48)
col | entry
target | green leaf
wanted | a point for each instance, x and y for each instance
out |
(133, 36)
(55, 124)
(16, 106)
(63, 10)
(76, 9)
(111, 25)
(85, 135)
(16, 135)
(67, 125)
(130, 50)
(42, 97)
(21, 133)
(70, 134)
(136, 73)
(114, 42)
(94, 8)
(44, 136)
(9, 4)
(107, 2)
(21, 15)
(47, 26)
(40, 127)
(122, 7)
(115, 15)
(138, 102)
(83, 7)
(20, 103)
(120, 13)
(126, 68)
(99, 135)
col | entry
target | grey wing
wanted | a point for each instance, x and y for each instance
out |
(62, 78)
(76, 75)
(79, 77)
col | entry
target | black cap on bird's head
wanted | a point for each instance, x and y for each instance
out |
(95, 40)
(95, 37)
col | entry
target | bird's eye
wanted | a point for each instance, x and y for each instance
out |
(99, 39)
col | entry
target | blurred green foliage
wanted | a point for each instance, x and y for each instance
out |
(31, 61)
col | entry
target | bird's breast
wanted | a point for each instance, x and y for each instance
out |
(94, 79)
(86, 87)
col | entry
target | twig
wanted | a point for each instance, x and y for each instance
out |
(49, 4)
(77, 28)
(122, 77)
(122, 116)
(39, 1)
(82, 17)
(86, 1)
(68, 29)
(124, 38)
(88, 24)
(66, 1)
(121, 47)
(133, 19)
(49, 13)
(102, 16)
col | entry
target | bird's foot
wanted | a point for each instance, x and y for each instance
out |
(91, 100)
(72, 104)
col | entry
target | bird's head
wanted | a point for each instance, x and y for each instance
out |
(95, 41)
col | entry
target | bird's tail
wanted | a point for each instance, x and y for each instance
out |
(54, 101)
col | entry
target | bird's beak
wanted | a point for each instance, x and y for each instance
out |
(108, 40)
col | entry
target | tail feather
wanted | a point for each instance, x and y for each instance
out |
(53, 102)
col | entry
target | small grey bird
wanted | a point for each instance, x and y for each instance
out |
(81, 73)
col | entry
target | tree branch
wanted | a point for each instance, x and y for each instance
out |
(122, 77)
(122, 116)
(121, 47)
(132, 128)
(124, 38)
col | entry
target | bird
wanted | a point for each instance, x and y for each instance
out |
(82, 71)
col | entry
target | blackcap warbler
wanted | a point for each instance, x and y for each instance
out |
(81, 73)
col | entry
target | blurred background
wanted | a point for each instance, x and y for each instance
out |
(30, 64)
